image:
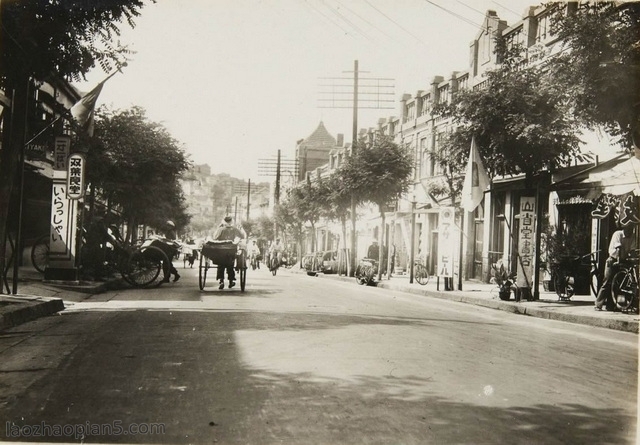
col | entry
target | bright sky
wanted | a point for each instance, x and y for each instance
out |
(235, 81)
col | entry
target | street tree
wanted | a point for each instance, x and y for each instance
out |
(521, 123)
(337, 204)
(35, 48)
(305, 204)
(378, 172)
(137, 166)
(286, 216)
(599, 64)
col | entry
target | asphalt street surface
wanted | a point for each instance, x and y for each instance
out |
(301, 360)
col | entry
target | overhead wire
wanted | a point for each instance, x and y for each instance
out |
(345, 19)
(362, 18)
(397, 24)
(332, 21)
(461, 17)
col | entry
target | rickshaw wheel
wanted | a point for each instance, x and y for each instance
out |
(243, 278)
(202, 271)
(144, 266)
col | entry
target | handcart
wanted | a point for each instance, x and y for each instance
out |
(144, 265)
(216, 254)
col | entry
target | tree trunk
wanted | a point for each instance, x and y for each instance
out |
(14, 135)
(343, 220)
(381, 252)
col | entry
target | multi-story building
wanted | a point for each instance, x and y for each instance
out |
(490, 232)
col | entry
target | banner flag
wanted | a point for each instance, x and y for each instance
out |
(476, 180)
(83, 110)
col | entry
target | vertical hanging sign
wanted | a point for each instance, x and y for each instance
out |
(75, 176)
(61, 152)
(63, 217)
(446, 242)
(526, 241)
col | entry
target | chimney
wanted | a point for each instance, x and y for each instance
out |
(340, 140)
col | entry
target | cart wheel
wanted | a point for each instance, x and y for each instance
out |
(143, 267)
(40, 253)
(243, 278)
(202, 271)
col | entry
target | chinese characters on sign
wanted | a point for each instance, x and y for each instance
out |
(624, 208)
(526, 241)
(446, 242)
(75, 177)
(61, 152)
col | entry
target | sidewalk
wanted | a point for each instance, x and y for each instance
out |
(36, 298)
(580, 309)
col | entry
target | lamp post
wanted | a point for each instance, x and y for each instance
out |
(413, 237)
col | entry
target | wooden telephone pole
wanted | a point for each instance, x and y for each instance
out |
(367, 92)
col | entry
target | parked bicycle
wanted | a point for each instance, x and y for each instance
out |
(420, 273)
(624, 287)
(566, 271)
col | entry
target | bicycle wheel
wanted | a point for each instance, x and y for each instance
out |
(595, 283)
(624, 290)
(420, 274)
(40, 253)
(143, 267)
(564, 285)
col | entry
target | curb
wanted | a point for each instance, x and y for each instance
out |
(514, 308)
(30, 308)
(522, 309)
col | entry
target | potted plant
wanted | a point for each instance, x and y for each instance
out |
(503, 279)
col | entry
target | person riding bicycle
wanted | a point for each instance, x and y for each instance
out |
(619, 247)
(228, 232)
(254, 252)
(275, 251)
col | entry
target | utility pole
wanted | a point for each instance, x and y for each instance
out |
(274, 168)
(248, 198)
(376, 93)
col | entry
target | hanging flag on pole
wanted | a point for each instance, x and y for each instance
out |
(476, 180)
(83, 110)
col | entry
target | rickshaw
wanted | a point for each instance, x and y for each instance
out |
(216, 254)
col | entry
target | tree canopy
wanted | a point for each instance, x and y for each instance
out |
(66, 38)
(137, 165)
(599, 65)
(377, 172)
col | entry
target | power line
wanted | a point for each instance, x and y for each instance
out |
(464, 19)
(346, 20)
(333, 22)
(397, 24)
(363, 19)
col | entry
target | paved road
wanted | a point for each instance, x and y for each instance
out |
(298, 360)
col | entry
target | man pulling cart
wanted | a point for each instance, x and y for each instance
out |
(227, 252)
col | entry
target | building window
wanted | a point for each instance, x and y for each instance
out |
(543, 28)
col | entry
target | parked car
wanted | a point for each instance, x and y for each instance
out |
(328, 261)
(321, 261)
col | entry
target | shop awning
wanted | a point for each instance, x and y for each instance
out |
(618, 180)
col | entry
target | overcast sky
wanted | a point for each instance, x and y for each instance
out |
(235, 81)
